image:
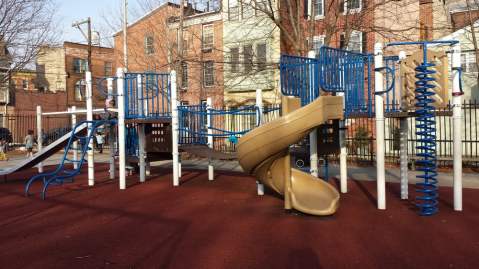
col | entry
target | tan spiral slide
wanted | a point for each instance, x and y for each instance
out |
(264, 153)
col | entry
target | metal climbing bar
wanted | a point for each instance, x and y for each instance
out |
(62, 173)
(147, 95)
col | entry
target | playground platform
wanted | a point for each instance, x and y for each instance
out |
(224, 224)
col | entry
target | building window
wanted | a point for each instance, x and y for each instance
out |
(318, 8)
(208, 74)
(247, 10)
(80, 90)
(468, 62)
(247, 58)
(355, 41)
(108, 69)
(79, 65)
(318, 42)
(25, 84)
(350, 6)
(208, 37)
(261, 56)
(234, 54)
(184, 75)
(233, 10)
(149, 47)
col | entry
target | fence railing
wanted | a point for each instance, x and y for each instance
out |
(360, 137)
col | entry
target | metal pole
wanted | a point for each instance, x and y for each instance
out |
(343, 155)
(457, 119)
(209, 123)
(75, 143)
(403, 132)
(141, 131)
(313, 135)
(174, 129)
(89, 116)
(111, 131)
(259, 105)
(379, 107)
(121, 128)
(89, 44)
(125, 34)
(39, 135)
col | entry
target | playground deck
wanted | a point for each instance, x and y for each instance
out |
(223, 224)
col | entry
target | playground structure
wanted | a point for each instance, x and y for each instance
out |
(151, 125)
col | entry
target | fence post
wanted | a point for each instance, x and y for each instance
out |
(403, 131)
(121, 128)
(174, 129)
(457, 119)
(75, 143)
(379, 108)
(39, 136)
(209, 123)
(313, 135)
(259, 105)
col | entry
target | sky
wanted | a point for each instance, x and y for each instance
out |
(75, 10)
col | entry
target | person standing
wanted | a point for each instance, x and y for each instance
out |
(99, 141)
(3, 150)
(29, 141)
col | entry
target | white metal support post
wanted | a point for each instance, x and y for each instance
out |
(89, 117)
(141, 129)
(457, 119)
(39, 135)
(209, 123)
(259, 105)
(111, 131)
(403, 140)
(313, 135)
(174, 128)
(343, 155)
(75, 143)
(379, 108)
(121, 128)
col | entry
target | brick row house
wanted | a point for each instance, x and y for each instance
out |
(153, 45)
(230, 52)
(62, 69)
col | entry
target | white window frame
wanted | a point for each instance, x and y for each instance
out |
(237, 7)
(318, 38)
(317, 16)
(238, 62)
(183, 77)
(248, 5)
(353, 10)
(257, 56)
(470, 58)
(360, 33)
(212, 74)
(203, 45)
(149, 48)
(25, 84)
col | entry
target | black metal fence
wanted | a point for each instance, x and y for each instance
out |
(361, 142)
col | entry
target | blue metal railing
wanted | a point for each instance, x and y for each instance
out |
(299, 78)
(148, 99)
(225, 123)
(62, 173)
(339, 71)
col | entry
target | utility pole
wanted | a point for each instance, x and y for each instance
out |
(125, 26)
(87, 36)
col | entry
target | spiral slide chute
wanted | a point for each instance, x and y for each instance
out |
(263, 152)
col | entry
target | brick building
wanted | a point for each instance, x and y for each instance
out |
(62, 69)
(25, 95)
(153, 45)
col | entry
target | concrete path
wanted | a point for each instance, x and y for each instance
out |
(470, 180)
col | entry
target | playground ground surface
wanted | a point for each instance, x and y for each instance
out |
(224, 224)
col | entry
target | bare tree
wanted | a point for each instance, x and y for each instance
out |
(25, 26)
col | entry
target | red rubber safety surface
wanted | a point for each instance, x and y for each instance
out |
(223, 224)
